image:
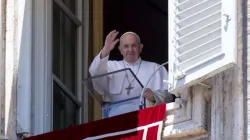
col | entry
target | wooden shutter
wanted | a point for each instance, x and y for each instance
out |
(202, 39)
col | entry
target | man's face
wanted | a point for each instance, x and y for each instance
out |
(130, 48)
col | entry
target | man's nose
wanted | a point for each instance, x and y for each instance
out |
(130, 49)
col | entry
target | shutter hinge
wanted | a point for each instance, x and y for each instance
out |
(166, 81)
(179, 75)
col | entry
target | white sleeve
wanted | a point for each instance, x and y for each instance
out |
(99, 66)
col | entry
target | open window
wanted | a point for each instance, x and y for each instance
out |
(202, 40)
(147, 18)
(66, 64)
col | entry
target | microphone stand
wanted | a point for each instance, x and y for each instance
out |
(141, 105)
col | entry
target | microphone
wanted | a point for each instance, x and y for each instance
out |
(165, 81)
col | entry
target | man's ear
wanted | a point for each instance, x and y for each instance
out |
(141, 47)
(119, 47)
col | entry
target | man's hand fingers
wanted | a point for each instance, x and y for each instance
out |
(146, 90)
(149, 97)
(147, 94)
(110, 34)
(113, 36)
(116, 41)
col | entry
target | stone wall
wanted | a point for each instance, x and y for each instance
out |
(246, 52)
(11, 21)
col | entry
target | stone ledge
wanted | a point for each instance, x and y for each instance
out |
(3, 137)
(190, 119)
(184, 130)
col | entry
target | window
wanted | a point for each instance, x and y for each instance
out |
(57, 65)
(66, 104)
(202, 40)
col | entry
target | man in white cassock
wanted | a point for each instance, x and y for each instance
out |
(123, 85)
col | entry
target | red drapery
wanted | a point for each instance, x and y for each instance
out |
(142, 124)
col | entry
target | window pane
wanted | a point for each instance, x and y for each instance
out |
(64, 110)
(71, 4)
(64, 48)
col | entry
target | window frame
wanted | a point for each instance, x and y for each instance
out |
(74, 97)
(42, 100)
(42, 67)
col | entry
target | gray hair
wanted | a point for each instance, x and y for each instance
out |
(138, 40)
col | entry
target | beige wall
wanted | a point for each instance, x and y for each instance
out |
(2, 66)
(246, 75)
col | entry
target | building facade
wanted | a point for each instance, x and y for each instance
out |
(46, 47)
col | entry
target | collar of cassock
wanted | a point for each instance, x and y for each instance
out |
(136, 63)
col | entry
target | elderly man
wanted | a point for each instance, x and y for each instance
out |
(130, 48)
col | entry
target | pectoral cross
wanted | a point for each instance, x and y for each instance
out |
(129, 88)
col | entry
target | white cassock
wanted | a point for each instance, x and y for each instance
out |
(113, 87)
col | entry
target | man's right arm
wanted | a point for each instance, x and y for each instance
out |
(99, 65)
